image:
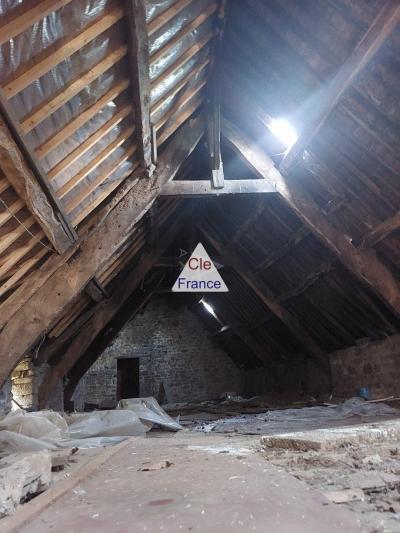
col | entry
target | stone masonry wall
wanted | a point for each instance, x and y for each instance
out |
(376, 366)
(24, 384)
(174, 348)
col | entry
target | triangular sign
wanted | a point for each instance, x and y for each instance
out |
(199, 274)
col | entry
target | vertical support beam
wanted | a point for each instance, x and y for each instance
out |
(214, 133)
(385, 22)
(139, 67)
(213, 108)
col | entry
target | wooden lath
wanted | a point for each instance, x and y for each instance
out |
(72, 89)
(364, 264)
(81, 119)
(186, 29)
(14, 27)
(183, 59)
(166, 16)
(385, 22)
(94, 163)
(41, 66)
(93, 139)
(65, 49)
(94, 252)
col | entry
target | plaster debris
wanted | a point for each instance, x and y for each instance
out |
(148, 467)
(22, 476)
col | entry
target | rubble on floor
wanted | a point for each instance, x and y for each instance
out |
(32, 444)
(362, 476)
(334, 438)
(255, 416)
(21, 477)
(349, 451)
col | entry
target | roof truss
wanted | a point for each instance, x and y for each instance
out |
(38, 313)
(364, 264)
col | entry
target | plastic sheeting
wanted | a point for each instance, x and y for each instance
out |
(45, 425)
(278, 421)
(169, 31)
(149, 412)
(156, 7)
(107, 424)
(21, 431)
(55, 28)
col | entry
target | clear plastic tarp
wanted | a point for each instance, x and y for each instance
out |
(150, 412)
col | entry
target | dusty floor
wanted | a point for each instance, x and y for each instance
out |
(225, 479)
(366, 478)
(213, 483)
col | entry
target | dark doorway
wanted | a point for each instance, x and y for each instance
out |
(127, 378)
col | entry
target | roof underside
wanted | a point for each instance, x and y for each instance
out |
(73, 107)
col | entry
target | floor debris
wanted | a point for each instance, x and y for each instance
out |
(148, 467)
(22, 476)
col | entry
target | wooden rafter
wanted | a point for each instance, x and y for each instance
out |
(381, 231)
(385, 22)
(139, 67)
(364, 264)
(106, 311)
(265, 294)
(213, 108)
(30, 182)
(250, 221)
(131, 307)
(43, 308)
(243, 333)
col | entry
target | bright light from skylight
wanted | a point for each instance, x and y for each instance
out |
(283, 131)
(209, 307)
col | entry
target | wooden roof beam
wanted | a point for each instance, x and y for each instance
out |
(106, 311)
(41, 311)
(364, 264)
(381, 231)
(131, 307)
(195, 188)
(26, 175)
(265, 295)
(139, 67)
(380, 29)
(250, 221)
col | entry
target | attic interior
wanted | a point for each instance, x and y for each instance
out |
(133, 131)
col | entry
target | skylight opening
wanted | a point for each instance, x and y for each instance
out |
(208, 307)
(283, 131)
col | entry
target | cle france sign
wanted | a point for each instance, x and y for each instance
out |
(199, 274)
